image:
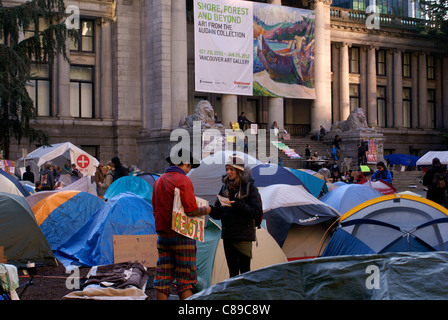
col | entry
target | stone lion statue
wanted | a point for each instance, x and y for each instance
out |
(356, 119)
(203, 112)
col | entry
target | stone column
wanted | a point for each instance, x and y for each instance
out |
(63, 85)
(321, 107)
(398, 90)
(276, 112)
(179, 65)
(229, 109)
(372, 114)
(275, 105)
(106, 71)
(344, 84)
(422, 91)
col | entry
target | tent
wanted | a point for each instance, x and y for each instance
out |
(348, 196)
(393, 223)
(390, 276)
(149, 177)
(296, 219)
(426, 159)
(382, 186)
(313, 183)
(211, 261)
(59, 154)
(20, 235)
(207, 178)
(401, 159)
(270, 174)
(132, 184)
(11, 184)
(84, 184)
(61, 214)
(92, 244)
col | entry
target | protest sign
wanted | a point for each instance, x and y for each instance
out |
(190, 227)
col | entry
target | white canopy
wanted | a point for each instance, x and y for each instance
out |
(426, 160)
(59, 154)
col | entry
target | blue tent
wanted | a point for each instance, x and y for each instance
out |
(348, 196)
(267, 174)
(392, 223)
(92, 245)
(60, 215)
(401, 159)
(314, 184)
(132, 184)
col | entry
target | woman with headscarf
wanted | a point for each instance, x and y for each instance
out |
(238, 207)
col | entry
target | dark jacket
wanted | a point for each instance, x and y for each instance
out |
(435, 194)
(238, 221)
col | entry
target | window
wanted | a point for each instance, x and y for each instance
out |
(407, 107)
(381, 102)
(406, 65)
(354, 96)
(39, 89)
(430, 64)
(431, 107)
(85, 39)
(354, 60)
(81, 92)
(381, 62)
(34, 29)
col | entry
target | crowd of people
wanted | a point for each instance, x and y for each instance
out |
(51, 177)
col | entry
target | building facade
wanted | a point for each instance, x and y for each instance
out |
(130, 79)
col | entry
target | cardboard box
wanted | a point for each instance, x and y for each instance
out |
(136, 248)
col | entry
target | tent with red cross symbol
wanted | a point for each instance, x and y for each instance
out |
(60, 154)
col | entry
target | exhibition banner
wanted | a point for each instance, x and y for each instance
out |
(256, 49)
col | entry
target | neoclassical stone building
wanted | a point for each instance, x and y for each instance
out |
(131, 79)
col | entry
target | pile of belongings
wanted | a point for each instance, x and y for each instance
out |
(286, 150)
(119, 281)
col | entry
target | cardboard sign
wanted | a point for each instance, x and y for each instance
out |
(136, 248)
(190, 227)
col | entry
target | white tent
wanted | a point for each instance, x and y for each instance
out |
(207, 178)
(59, 154)
(426, 160)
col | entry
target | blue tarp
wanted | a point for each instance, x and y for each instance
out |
(401, 159)
(132, 184)
(392, 276)
(68, 217)
(206, 252)
(92, 245)
(348, 196)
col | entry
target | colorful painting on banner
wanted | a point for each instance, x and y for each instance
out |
(249, 48)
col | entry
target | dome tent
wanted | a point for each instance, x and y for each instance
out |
(20, 235)
(393, 223)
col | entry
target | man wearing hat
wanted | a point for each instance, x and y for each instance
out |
(177, 254)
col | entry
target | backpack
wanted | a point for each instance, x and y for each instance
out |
(439, 180)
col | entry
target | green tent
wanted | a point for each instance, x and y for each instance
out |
(20, 235)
